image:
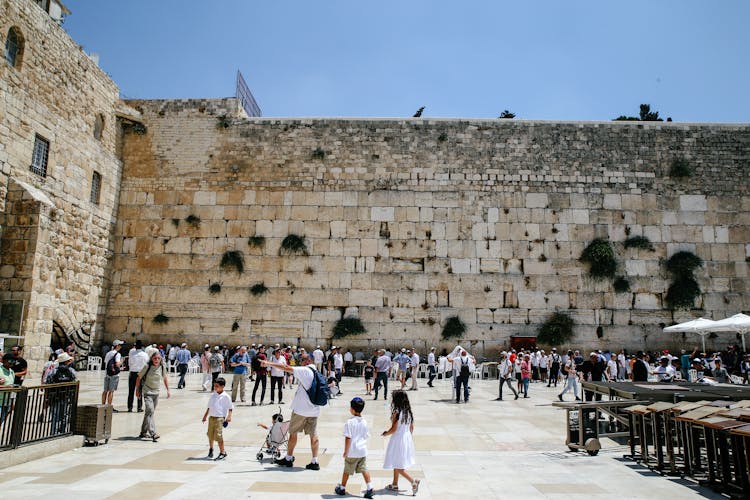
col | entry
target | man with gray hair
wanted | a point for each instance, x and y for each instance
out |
(382, 368)
(240, 362)
(414, 369)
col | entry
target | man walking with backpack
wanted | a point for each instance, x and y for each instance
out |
(312, 393)
(112, 363)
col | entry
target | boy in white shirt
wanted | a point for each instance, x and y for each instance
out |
(355, 448)
(219, 413)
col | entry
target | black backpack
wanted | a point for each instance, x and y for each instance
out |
(112, 368)
(465, 369)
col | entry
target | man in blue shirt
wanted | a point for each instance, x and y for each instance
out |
(404, 363)
(240, 362)
(182, 358)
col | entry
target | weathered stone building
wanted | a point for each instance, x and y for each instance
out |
(405, 222)
(59, 179)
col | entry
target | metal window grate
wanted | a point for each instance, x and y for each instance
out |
(39, 158)
(96, 187)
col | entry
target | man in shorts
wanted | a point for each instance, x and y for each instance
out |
(304, 412)
(111, 381)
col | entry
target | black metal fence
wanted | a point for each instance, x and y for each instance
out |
(33, 414)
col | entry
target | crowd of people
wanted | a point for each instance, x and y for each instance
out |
(289, 366)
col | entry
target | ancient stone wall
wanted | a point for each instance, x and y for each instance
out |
(55, 91)
(408, 222)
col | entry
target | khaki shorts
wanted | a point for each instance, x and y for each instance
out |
(298, 423)
(401, 373)
(215, 426)
(355, 465)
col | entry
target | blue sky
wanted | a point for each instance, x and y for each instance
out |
(556, 60)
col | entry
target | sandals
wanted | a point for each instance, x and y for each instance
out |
(414, 487)
(391, 487)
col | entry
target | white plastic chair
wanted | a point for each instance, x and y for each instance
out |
(422, 371)
(477, 373)
(94, 363)
(193, 366)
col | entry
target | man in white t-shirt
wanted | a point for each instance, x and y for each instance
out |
(137, 359)
(431, 366)
(414, 369)
(304, 412)
(318, 357)
(111, 381)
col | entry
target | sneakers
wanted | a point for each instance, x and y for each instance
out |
(155, 437)
(312, 466)
(498, 399)
(516, 396)
(559, 396)
(221, 456)
(369, 493)
(284, 462)
(340, 490)
(210, 453)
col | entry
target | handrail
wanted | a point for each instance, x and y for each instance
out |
(30, 414)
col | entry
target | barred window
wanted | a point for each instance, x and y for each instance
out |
(14, 47)
(96, 187)
(39, 158)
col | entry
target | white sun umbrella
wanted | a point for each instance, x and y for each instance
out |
(739, 323)
(700, 326)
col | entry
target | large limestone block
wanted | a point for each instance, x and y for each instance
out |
(693, 202)
(536, 200)
(365, 297)
(647, 301)
(465, 266)
(384, 214)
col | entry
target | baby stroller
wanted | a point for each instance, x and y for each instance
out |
(278, 435)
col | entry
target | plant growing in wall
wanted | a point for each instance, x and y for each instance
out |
(621, 284)
(641, 242)
(176, 222)
(193, 220)
(160, 319)
(557, 330)
(235, 326)
(214, 288)
(293, 245)
(348, 326)
(256, 241)
(680, 168)
(601, 259)
(233, 259)
(318, 154)
(454, 328)
(223, 122)
(684, 289)
(258, 289)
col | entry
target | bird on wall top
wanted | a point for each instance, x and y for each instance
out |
(419, 112)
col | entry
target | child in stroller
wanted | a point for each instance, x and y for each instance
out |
(278, 435)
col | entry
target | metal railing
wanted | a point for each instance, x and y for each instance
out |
(33, 414)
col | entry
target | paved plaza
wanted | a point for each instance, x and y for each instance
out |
(486, 449)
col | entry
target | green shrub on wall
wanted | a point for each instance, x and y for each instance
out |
(454, 328)
(259, 289)
(160, 319)
(233, 259)
(684, 289)
(348, 326)
(293, 244)
(256, 241)
(639, 242)
(621, 284)
(601, 259)
(557, 330)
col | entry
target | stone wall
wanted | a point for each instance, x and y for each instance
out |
(55, 242)
(408, 222)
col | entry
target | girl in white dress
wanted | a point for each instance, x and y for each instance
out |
(399, 455)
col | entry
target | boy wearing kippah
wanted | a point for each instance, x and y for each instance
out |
(355, 448)
(219, 414)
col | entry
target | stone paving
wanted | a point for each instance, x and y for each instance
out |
(485, 449)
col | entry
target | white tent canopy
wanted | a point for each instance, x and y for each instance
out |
(701, 326)
(739, 323)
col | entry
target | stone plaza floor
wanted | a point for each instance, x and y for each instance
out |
(484, 449)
